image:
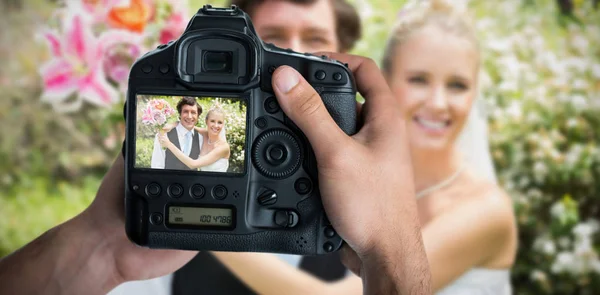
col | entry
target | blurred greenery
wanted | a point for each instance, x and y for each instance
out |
(540, 85)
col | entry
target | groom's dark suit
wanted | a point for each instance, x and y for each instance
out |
(205, 274)
(171, 162)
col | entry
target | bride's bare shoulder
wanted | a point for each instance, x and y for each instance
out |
(488, 191)
(482, 196)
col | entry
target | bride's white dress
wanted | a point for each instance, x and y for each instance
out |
(473, 143)
(220, 165)
(480, 281)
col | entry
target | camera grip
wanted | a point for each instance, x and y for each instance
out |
(342, 108)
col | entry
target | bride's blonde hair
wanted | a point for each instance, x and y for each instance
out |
(215, 108)
(418, 14)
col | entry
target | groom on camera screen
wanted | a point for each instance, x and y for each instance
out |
(183, 136)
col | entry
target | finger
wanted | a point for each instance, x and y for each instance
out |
(304, 106)
(350, 259)
(359, 115)
(111, 191)
(369, 79)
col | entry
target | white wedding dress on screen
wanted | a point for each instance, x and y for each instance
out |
(220, 165)
(473, 143)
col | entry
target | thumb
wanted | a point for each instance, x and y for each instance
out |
(301, 102)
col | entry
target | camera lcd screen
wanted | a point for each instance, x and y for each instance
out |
(190, 133)
(200, 216)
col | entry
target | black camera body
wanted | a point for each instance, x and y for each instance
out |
(272, 203)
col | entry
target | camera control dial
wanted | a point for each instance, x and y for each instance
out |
(276, 154)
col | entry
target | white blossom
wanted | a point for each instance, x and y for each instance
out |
(579, 102)
(549, 248)
(596, 71)
(524, 181)
(515, 110)
(577, 63)
(545, 245)
(580, 43)
(558, 210)
(595, 266)
(585, 230)
(564, 242)
(534, 193)
(563, 262)
(540, 170)
(580, 84)
(538, 275)
(508, 86)
(499, 45)
(511, 66)
(583, 247)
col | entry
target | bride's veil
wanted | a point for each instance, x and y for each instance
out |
(222, 134)
(474, 144)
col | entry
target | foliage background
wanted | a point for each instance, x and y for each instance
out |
(540, 83)
(235, 127)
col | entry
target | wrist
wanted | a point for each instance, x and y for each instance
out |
(85, 261)
(392, 266)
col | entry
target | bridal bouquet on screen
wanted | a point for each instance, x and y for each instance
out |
(92, 45)
(157, 114)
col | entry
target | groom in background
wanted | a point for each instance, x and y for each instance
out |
(184, 137)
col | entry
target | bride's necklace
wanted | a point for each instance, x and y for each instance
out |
(440, 184)
(211, 143)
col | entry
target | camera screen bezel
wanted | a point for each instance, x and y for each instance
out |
(133, 103)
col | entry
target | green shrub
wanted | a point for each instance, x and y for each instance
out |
(541, 84)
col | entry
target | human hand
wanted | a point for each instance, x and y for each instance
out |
(169, 126)
(163, 139)
(365, 180)
(106, 217)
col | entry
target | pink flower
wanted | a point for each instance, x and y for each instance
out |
(159, 117)
(118, 61)
(77, 65)
(174, 27)
(147, 117)
(96, 9)
(157, 112)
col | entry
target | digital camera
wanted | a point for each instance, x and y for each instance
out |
(212, 162)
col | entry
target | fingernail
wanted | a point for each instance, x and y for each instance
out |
(287, 79)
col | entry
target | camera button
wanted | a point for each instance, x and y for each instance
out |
(175, 190)
(337, 76)
(303, 186)
(276, 154)
(164, 68)
(147, 68)
(271, 69)
(161, 46)
(320, 75)
(328, 247)
(329, 232)
(156, 218)
(261, 123)
(219, 192)
(285, 218)
(271, 105)
(153, 189)
(267, 197)
(197, 191)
